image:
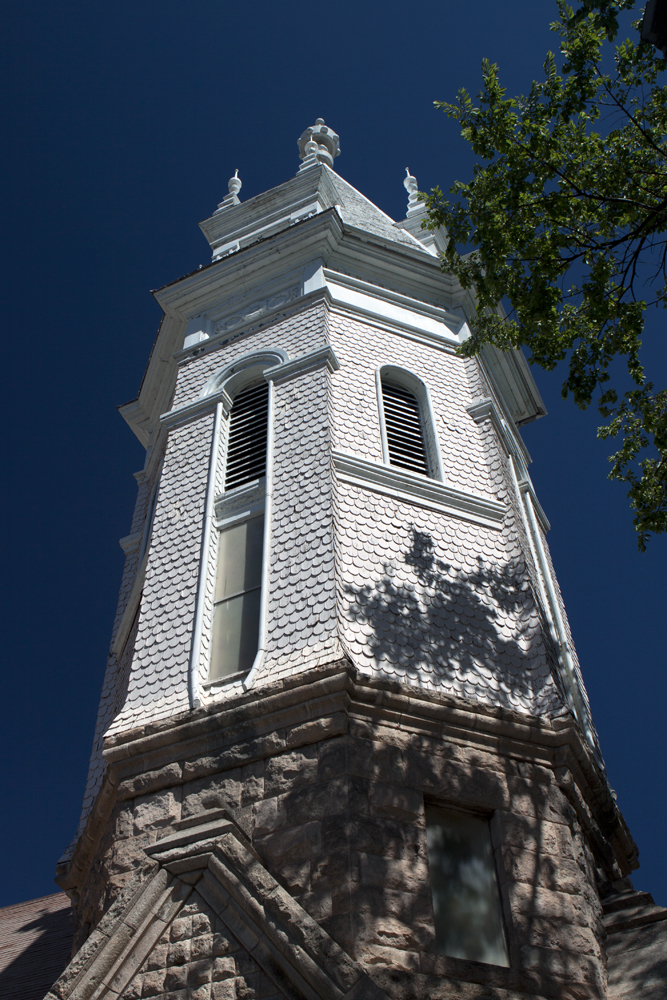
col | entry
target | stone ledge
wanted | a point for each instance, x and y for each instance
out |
(256, 718)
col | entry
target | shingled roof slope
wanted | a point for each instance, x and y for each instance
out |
(35, 946)
(360, 212)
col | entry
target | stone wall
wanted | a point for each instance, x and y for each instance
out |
(332, 800)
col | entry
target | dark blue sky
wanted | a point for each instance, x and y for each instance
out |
(122, 123)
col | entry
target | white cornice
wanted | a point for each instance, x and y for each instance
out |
(415, 489)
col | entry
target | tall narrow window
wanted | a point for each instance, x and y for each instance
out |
(403, 427)
(238, 584)
(464, 887)
(246, 448)
(237, 597)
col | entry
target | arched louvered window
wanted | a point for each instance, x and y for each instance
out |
(237, 596)
(246, 448)
(403, 424)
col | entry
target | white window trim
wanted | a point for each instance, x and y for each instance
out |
(418, 388)
(410, 487)
(232, 379)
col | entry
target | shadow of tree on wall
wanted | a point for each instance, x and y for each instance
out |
(476, 632)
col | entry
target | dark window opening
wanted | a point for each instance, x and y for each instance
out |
(403, 427)
(246, 447)
(464, 887)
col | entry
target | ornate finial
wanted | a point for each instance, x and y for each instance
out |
(234, 185)
(327, 145)
(411, 186)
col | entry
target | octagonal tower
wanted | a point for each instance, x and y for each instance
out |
(343, 747)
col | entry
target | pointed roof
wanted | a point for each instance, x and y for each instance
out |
(314, 189)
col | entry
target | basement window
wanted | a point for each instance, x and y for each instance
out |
(464, 887)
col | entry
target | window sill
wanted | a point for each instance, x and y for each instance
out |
(409, 487)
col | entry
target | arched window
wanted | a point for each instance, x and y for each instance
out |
(238, 581)
(246, 446)
(408, 437)
(238, 584)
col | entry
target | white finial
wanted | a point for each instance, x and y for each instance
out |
(235, 184)
(325, 141)
(411, 186)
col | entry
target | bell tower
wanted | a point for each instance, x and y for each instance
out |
(344, 748)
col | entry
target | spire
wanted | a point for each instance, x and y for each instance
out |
(318, 144)
(234, 185)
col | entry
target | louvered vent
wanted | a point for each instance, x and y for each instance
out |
(402, 421)
(246, 451)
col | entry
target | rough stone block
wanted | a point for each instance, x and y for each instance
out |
(157, 811)
(288, 846)
(317, 904)
(394, 958)
(199, 973)
(406, 874)
(296, 876)
(540, 903)
(568, 966)
(179, 952)
(149, 781)
(201, 947)
(153, 983)
(180, 929)
(547, 870)
(176, 978)
(290, 771)
(314, 802)
(157, 958)
(372, 836)
(212, 792)
(225, 990)
(334, 870)
(201, 924)
(396, 802)
(266, 817)
(224, 967)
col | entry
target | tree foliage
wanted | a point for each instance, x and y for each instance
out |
(568, 211)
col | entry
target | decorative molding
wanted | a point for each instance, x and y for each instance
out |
(409, 487)
(255, 310)
(213, 860)
(131, 542)
(408, 317)
(192, 411)
(486, 409)
(324, 355)
(244, 501)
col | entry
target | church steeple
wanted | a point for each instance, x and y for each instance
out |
(344, 748)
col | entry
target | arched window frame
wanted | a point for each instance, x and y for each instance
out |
(225, 385)
(419, 389)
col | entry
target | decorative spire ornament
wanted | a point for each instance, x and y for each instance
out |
(234, 185)
(326, 145)
(411, 186)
